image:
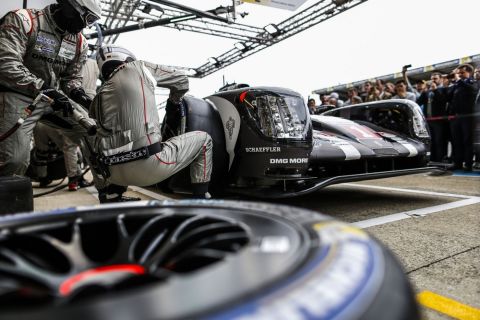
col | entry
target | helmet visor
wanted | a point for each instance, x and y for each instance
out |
(87, 16)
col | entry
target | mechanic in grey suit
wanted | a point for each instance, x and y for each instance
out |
(129, 139)
(40, 51)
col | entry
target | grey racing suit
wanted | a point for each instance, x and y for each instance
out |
(43, 133)
(127, 118)
(33, 52)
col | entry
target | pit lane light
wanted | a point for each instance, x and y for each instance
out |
(272, 30)
(241, 46)
(340, 3)
(214, 61)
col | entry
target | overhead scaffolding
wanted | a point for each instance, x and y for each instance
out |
(128, 15)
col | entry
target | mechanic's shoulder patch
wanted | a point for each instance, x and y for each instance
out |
(26, 19)
(82, 43)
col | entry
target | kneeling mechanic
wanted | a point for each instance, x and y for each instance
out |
(129, 140)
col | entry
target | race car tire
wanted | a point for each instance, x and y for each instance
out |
(280, 262)
(16, 194)
(201, 116)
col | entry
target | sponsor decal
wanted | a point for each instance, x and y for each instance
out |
(41, 39)
(331, 286)
(67, 50)
(49, 60)
(262, 149)
(230, 125)
(44, 49)
(289, 161)
(126, 157)
(273, 244)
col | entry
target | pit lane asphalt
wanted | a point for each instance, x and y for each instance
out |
(440, 251)
(439, 248)
(437, 238)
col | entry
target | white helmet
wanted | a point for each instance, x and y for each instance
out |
(110, 56)
(90, 10)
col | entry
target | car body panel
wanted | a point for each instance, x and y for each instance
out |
(275, 148)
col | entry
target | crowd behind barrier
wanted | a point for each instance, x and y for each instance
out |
(450, 103)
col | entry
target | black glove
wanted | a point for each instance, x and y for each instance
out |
(60, 101)
(79, 96)
(171, 122)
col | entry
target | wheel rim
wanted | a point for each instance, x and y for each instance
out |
(57, 261)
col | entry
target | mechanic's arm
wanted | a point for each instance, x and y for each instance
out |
(71, 78)
(169, 78)
(14, 75)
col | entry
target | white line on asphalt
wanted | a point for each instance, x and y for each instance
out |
(380, 220)
(149, 193)
(432, 193)
(93, 191)
(468, 200)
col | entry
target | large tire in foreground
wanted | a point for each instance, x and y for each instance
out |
(195, 260)
(16, 194)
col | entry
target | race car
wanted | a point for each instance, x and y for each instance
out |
(267, 145)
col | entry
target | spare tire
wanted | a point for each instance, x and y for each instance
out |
(195, 259)
(16, 194)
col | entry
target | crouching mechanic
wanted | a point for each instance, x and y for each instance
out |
(129, 139)
(40, 51)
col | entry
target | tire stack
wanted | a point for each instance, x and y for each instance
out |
(16, 194)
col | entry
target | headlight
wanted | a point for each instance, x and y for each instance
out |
(419, 122)
(275, 115)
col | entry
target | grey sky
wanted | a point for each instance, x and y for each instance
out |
(373, 39)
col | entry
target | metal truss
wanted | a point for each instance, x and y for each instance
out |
(127, 15)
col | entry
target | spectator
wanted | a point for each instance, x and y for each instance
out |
(356, 100)
(374, 94)
(351, 93)
(401, 91)
(419, 85)
(339, 102)
(476, 132)
(462, 100)
(434, 101)
(324, 99)
(390, 89)
(380, 84)
(436, 78)
(445, 81)
(477, 74)
(365, 90)
(332, 101)
(312, 107)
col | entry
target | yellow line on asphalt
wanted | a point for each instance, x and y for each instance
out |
(448, 306)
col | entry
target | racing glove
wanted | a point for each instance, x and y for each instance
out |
(79, 96)
(172, 121)
(60, 101)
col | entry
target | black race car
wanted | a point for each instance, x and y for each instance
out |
(267, 145)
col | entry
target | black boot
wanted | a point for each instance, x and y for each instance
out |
(200, 191)
(44, 182)
(114, 197)
(113, 193)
